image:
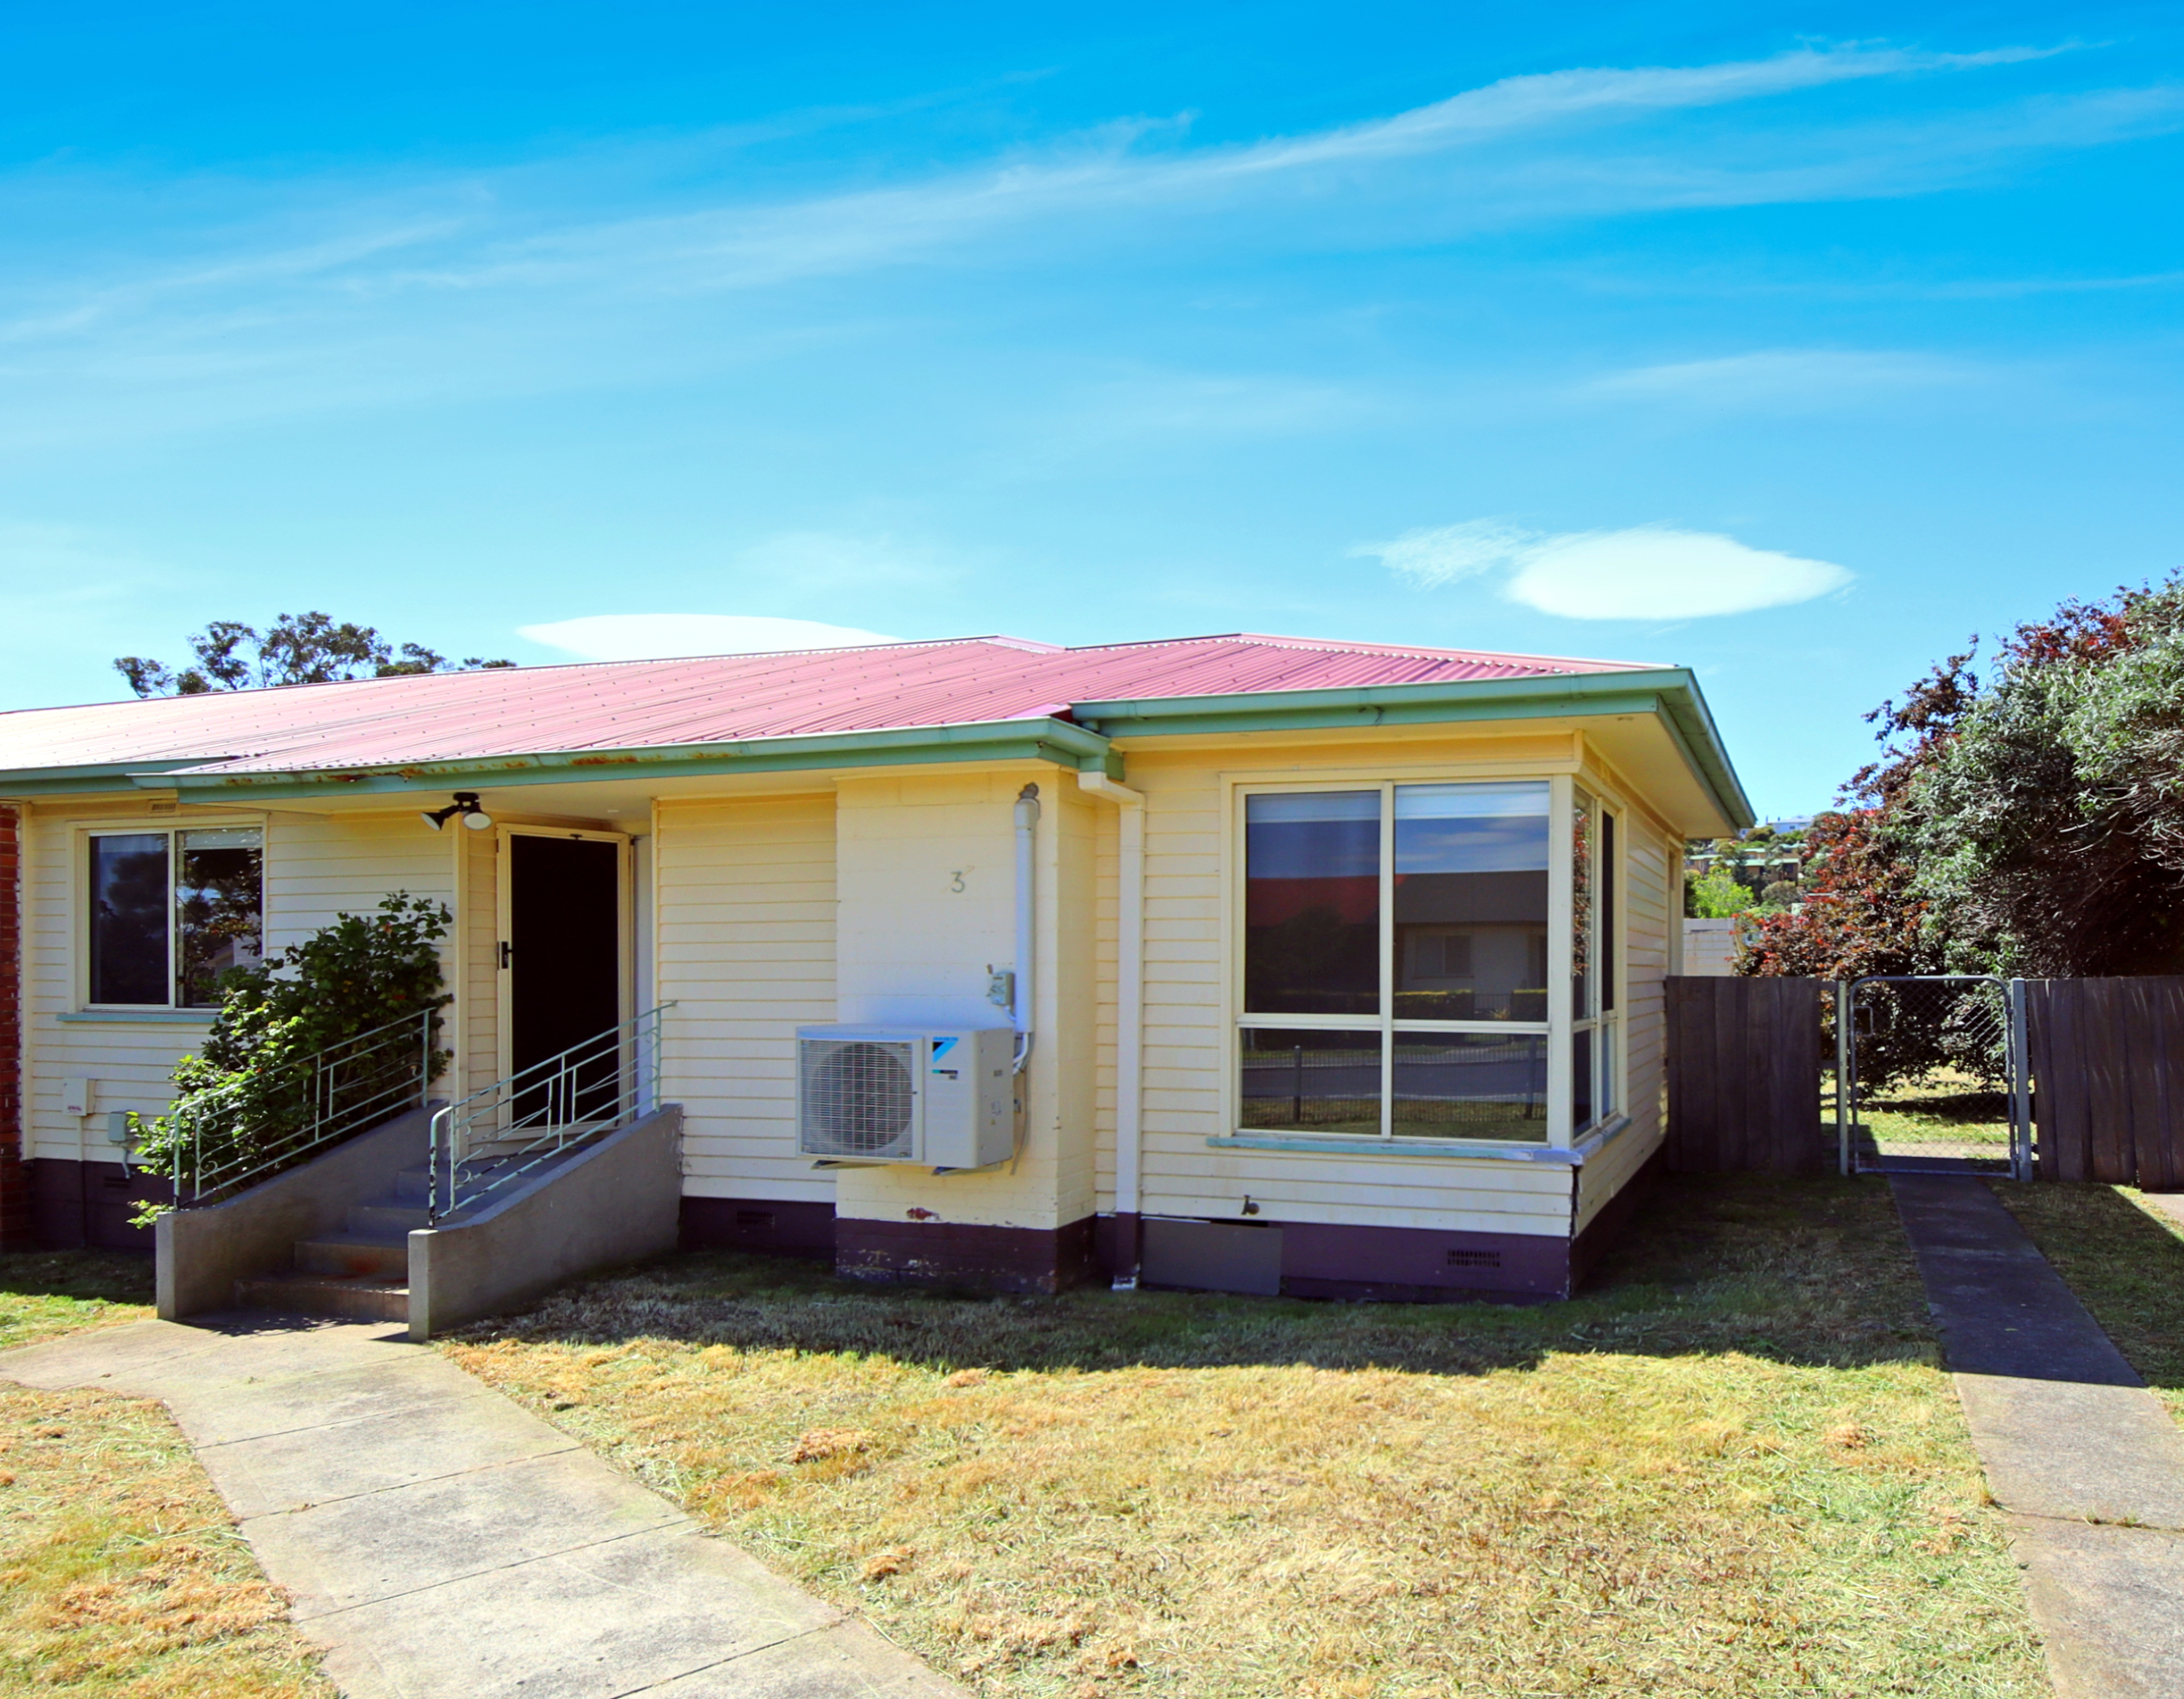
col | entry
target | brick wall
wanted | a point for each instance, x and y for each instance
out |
(14, 1188)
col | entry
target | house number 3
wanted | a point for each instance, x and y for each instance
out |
(956, 880)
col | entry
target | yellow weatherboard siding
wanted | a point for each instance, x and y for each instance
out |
(743, 894)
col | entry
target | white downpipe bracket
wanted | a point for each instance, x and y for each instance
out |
(1027, 843)
(1129, 996)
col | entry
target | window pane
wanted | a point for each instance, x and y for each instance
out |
(1581, 911)
(218, 906)
(129, 898)
(1471, 901)
(1607, 1039)
(1312, 1081)
(1312, 904)
(1470, 1085)
(1581, 1080)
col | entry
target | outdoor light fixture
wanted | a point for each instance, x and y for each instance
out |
(466, 804)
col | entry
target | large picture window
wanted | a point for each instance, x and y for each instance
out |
(1395, 961)
(171, 911)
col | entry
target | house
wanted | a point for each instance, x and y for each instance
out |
(1333, 968)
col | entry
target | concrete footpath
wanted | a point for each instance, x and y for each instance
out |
(2083, 1458)
(440, 1543)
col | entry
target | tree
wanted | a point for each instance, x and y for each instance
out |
(2029, 822)
(1716, 893)
(300, 649)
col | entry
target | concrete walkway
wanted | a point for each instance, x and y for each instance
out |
(440, 1543)
(2083, 1458)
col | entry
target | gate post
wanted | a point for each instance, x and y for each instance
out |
(2020, 1156)
(1845, 1108)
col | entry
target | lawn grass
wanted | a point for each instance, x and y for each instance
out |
(45, 1294)
(2126, 1262)
(120, 1570)
(1733, 1467)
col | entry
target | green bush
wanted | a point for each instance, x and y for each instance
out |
(251, 1093)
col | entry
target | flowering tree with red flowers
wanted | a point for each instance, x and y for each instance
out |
(2030, 822)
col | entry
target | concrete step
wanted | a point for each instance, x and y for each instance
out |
(359, 1298)
(378, 1256)
(385, 1218)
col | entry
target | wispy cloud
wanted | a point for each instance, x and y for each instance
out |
(511, 282)
(1647, 572)
(1794, 379)
(651, 636)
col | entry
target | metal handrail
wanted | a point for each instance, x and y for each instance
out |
(393, 1065)
(502, 1131)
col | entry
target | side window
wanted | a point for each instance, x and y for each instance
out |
(172, 912)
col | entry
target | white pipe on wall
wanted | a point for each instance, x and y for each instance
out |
(1027, 836)
(1129, 999)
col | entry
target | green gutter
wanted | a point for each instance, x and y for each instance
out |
(1054, 740)
(115, 776)
(1669, 692)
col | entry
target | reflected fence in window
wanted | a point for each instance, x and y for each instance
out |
(1462, 1084)
(1468, 1086)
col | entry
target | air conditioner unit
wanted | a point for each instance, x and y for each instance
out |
(933, 1098)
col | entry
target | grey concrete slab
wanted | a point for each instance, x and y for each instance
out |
(440, 1541)
(104, 1354)
(386, 1545)
(848, 1660)
(2085, 1459)
(320, 1465)
(2108, 1598)
(605, 1620)
(2085, 1454)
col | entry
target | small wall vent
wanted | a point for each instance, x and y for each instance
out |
(1474, 1259)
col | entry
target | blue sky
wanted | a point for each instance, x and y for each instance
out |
(1793, 344)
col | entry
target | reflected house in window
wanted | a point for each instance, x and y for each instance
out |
(1471, 902)
(1354, 951)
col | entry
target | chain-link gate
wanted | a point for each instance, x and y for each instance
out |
(1931, 1076)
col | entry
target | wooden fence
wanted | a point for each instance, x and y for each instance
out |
(2107, 1072)
(1744, 1075)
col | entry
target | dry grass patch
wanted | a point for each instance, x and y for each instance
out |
(2125, 1260)
(1733, 1468)
(121, 1574)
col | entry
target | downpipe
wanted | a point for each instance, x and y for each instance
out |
(1027, 843)
(1129, 1015)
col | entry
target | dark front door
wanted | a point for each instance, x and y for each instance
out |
(564, 974)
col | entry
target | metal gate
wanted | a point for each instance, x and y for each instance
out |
(1931, 1076)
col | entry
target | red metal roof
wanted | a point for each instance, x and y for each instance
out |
(640, 704)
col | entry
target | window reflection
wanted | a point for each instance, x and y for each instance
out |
(217, 906)
(1466, 1084)
(129, 896)
(1315, 1081)
(1313, 903)
(1471, 901)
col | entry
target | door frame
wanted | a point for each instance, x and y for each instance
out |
(504, 892)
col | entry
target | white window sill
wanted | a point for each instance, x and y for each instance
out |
(143, 1017)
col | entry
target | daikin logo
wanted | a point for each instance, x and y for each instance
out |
(941, 1047)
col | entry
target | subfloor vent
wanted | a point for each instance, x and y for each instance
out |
(1474, 1259)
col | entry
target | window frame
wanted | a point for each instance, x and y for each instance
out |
(1236, 1017)
(1608, 1023)
(171, 829)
